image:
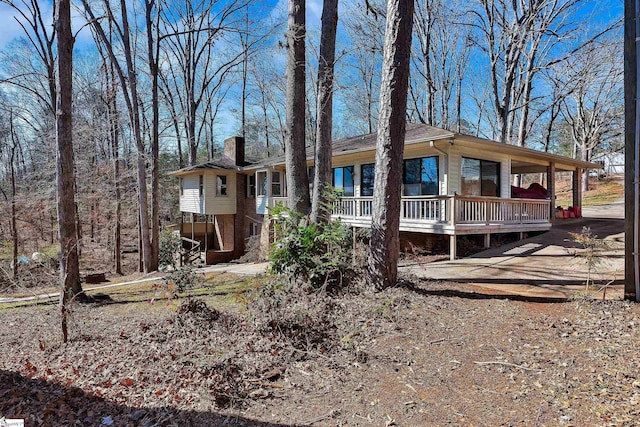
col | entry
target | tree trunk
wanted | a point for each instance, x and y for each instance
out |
(152, 51)
(69, 266)
(385, 224)
(295, 149)
(322, 176)
(14, 225)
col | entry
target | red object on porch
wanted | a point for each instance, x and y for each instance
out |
(578, 211)
(535, 191)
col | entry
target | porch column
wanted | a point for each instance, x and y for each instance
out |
(206, 233)
(551, 190)
(453, 247)
(577, 187)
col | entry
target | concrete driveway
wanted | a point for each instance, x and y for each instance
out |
(544, 266)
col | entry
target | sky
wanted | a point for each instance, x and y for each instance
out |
(11, 29)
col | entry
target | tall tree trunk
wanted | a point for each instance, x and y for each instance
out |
(69, 265)
(14, 224)
(143, 203)
(385, 223)
(322, 176)
(153, 52)
(295, 149)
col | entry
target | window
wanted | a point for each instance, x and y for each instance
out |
(182, 186)
(254, 229)
(201, 186)
(343, 180)
(480, 178)
(221, 185)
(276, 184)
(368, 173)
(420, 177)
(262, 183)
(251, 186)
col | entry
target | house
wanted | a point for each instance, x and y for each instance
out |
(453, 185)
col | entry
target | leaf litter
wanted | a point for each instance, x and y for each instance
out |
(412, 355)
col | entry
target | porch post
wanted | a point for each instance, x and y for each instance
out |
(551, 190)
(577, 187)
(206, 233)
(452, 247)
(487, 240)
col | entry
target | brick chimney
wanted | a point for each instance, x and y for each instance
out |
(234, 149)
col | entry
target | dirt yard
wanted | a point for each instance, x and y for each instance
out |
(426, 353)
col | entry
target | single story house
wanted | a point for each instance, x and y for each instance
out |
(453, 185)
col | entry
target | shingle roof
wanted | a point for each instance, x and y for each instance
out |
(223, 162)
(416, 132)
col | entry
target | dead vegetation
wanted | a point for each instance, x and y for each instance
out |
(424, 353)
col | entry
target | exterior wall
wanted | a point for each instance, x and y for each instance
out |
(456, 154)
(190, 200)
(219, 205)
(210, 203)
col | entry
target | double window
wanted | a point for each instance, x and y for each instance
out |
(420, 177)
(276, 183)
(480, 177)
(251, 186)
(343, 180)
(221, 185)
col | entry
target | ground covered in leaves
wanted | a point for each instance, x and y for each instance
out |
(424, 353)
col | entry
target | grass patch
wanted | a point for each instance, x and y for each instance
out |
(601, 193)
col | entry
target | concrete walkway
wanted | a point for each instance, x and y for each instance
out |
(545, 266)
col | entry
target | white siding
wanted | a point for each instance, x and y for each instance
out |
(190, 200)
(455, 162)
(215, 204)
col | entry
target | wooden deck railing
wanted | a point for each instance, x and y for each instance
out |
(447, 209)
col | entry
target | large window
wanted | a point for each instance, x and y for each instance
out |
(420, 177)
(480, 177)
(368, 173)
(221, 185)
(262, 183)
(343, 180)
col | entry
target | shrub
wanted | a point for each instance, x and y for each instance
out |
(179, 281)
(593, 246)
(170, 245)
(316, 254)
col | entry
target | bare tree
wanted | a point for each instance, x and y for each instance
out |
(385, 223)
(128, 76)
(295, 150)
(198, 71)
(322, 176)
(365, 30)
(594, 110)
(69, 265)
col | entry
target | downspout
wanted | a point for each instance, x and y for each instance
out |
(433, 145)
(636, 202)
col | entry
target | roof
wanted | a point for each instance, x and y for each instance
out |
(415, 133)
(224, 163)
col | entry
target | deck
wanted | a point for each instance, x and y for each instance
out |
(450, 215)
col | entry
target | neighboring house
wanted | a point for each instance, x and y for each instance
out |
(453, 185)
(612, 163)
